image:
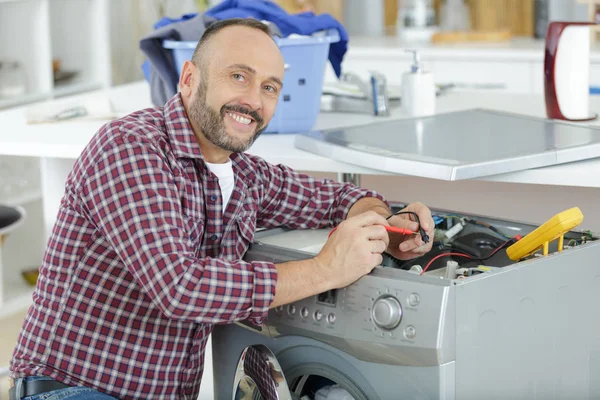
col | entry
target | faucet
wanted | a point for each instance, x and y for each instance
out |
(381, 104)
(376, 93)
(353, 79)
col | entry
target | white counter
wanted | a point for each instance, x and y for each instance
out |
(66, 140)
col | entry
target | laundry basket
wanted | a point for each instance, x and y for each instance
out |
(305, 58)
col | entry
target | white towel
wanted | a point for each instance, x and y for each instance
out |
(334, 392)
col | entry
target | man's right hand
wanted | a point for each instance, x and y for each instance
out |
(354, 249)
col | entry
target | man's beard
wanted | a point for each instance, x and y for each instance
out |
(212, 124)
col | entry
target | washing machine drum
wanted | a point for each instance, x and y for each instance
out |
(258, 376)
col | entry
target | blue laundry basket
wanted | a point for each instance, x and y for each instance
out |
(300, 99)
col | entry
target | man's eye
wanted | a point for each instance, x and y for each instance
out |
(270, 89)
(238, 77)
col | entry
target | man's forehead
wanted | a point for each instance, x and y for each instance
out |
(233, 35)
(247, 46)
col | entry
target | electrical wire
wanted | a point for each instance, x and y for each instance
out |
(442, 255)
(486, 225)
(424, 236)
(468, 256)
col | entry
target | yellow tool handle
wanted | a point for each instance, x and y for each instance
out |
(554, 228)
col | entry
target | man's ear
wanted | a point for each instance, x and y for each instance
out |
(186, 79)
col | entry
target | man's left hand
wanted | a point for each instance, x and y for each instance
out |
(406, 247)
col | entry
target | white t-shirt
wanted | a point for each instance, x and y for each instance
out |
(226, 181)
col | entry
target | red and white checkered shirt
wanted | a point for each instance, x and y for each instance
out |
(143, 259)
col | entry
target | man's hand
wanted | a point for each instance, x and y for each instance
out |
(405, 247)
(354, 249)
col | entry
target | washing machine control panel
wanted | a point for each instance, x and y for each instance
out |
(389, 315)
(380, 317)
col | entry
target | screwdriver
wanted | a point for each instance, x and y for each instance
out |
(393, 229)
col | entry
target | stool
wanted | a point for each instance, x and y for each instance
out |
(10, 218)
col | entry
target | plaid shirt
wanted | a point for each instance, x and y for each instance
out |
(143, 259)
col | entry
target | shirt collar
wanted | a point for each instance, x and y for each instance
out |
(180, 132)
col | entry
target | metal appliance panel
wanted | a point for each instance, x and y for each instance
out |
(522, 330)
(536, 319)
(347, 314)
(459, 145)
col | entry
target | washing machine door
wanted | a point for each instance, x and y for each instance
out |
(259, 376)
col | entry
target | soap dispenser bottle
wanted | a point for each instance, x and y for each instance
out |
(418, 90)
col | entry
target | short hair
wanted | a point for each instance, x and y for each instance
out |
(216, 26)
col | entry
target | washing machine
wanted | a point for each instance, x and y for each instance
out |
(475, 324)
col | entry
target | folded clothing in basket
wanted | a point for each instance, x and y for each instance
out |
(160, 70)
(305, 23)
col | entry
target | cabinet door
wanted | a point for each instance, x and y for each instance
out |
(392, 68)
(467, 75)
(24, 52)
(471, 75)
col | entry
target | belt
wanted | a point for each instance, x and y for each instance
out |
(22, 388)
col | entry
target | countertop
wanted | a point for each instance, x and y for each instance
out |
(67, 139)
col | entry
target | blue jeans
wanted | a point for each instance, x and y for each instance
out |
(72, 393)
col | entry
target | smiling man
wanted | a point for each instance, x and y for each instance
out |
(147, 251)
(241, 83)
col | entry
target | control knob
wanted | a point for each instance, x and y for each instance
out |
(387, 312)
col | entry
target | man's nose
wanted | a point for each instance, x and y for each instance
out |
(252, 98)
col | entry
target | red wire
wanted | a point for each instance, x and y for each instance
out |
(463, 255)
(498, 249)
(443, 255)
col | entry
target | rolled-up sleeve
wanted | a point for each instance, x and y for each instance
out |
(300, 201)
(130, 194)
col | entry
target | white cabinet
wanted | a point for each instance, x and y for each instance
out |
(509, 76)
(33, 33)
(515, 67)
(80, 39)
(23, 247)
(36, 35)
(24, 43)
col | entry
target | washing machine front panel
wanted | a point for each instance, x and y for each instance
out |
(389, 316)
(518, 330)
(309, 364)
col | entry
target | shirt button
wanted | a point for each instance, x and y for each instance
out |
(213, 237)
(213, 198)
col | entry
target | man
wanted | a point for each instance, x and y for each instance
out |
(158, 211)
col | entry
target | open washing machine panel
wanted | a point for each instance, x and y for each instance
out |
(525, 329)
